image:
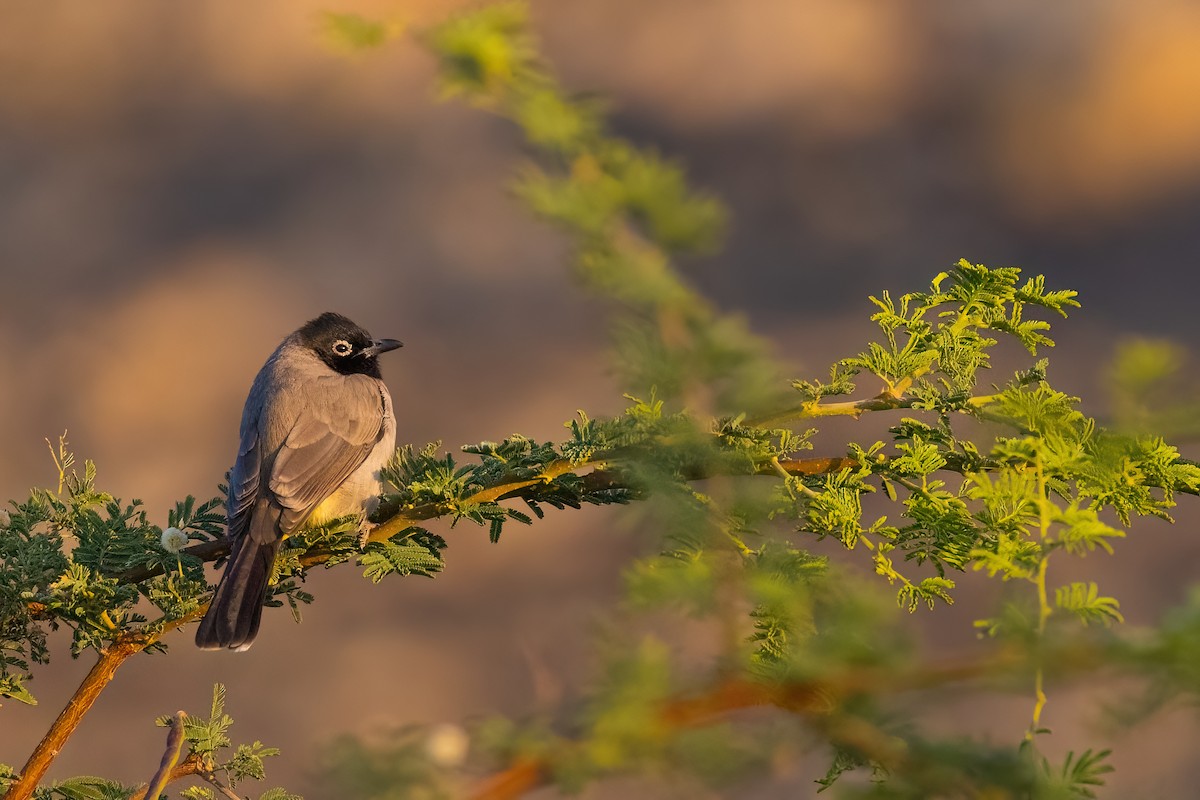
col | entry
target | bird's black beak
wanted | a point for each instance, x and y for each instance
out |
(381, 346)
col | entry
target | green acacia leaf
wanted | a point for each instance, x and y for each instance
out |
(1084, 600)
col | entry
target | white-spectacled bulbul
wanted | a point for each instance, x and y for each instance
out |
(316, 430)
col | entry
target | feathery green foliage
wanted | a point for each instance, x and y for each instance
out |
(398, 766)
(208, 742)
(972, 481)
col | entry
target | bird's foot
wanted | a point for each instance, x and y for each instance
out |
(364, 533)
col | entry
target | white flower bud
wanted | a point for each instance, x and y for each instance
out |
(447, 745)
(5, 519)
(174, 540)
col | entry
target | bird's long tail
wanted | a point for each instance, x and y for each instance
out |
(233, 616)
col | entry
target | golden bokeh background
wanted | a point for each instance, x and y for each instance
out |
(181, 184)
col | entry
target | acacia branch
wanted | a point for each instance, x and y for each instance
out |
(192, 765)
(68, 720)
(170, 757)
(603, 476)
(845, 408)
(885, 401)
(212, 778)
(818, 700)
(98, 677)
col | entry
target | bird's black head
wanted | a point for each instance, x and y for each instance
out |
(344, 346)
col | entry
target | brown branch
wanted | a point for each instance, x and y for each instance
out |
(817, 700)
(886, 401)
(602, 476)
(810, 466)
(523, 775)
(98, 677)
(170, 757)
(212, 778)
(845, 408)
(192, 765)
(68, 719)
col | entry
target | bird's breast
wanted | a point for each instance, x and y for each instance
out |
(359, 493)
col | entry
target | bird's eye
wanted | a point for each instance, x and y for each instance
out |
(342, 348)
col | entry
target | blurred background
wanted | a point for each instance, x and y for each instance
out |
(181, 185)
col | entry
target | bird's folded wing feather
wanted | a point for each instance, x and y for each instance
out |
(341, 422)
(243, 481)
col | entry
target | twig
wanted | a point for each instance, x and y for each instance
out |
(886, 401)
(845, 408)
(170, 757)
(212, 778)
(192, 765)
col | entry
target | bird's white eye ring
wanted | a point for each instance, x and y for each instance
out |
(342, 347)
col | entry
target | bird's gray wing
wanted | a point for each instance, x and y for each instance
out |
(243, 481)
(341, 421)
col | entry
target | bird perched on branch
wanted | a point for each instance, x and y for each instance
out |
(316, 430)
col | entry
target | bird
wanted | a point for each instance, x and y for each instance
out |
(316, 430)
